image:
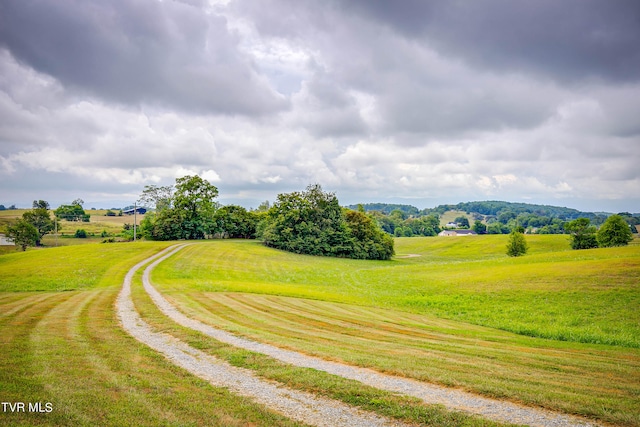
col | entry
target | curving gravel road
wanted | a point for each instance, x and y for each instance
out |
(301, 406)
(453, 399)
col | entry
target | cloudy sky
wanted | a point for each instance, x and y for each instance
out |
(419, 102)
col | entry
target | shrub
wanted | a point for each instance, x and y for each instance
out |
(614, 232)
(313, 223)
(80, 234)
(517, 245)
(582, 234)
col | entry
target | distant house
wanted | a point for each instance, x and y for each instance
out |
(5, 241)
(131, 211)
(457, 233)
(452, 225)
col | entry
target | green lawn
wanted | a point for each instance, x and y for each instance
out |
(447, 316)
(61, 344)
(587, 296)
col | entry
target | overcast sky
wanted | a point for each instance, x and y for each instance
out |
(414, 101)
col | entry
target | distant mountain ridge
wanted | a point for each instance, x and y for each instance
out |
(489, 207)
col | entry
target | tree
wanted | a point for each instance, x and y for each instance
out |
(309, 222)
(156, 197)
(236, 222)
(40, 204)
(194, 199)
(582, 234)
(72, 212)
(188, 213)
(40, 218)
(614, 232)
(312, 222)
(517, 245)
(23, 234)
(368, 239)
(479, 227)
(462, 221)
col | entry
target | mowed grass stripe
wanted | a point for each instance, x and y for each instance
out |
(67, 348)
(582, 296)
(13, 303)
(95, 374)
(18, 381)
(401, 407)
(591, 380)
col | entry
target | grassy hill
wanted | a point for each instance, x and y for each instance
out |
(557, 328)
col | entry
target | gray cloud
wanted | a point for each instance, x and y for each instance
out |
(427, 102)
(164, 53)
(565, 40)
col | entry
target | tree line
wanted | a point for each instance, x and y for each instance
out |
(490, 217)
(313, 222)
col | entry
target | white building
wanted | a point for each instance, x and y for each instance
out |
(5, 241)
(457, 233)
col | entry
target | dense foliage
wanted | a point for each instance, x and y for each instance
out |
(387, 208)
(236, 222)
(312, 222)
(186, 214)
(188, 211)
(582, 234)
(23, 234)
(614, 232)
(38, 219)
(490, 217)
(72, 212)
(517, 245)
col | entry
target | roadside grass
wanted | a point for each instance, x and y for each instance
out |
(352, 392)
(67, 349)
(588, 296)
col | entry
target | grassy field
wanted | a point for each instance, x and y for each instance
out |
(99, 225)
(447, 316)
(60, 343)
(586, 296)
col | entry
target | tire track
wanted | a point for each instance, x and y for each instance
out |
(301, 406)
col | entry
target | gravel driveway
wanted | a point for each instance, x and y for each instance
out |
(301, 406)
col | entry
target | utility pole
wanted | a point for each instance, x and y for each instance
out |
(135, 211)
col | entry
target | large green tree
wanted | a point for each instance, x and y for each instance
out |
(194, 198)
(187, 214)
(614, 232)
(367, 238)
(40, 218)
(582, 233)
(72, 212)
(236, 222)
(23, 234)
(312, 222)
(308, 222)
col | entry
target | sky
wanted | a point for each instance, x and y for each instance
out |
(417, 102)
